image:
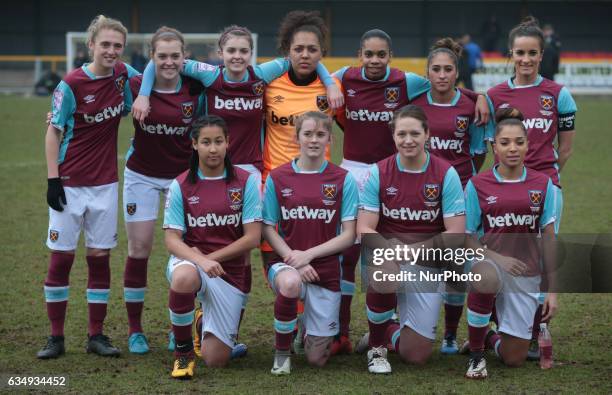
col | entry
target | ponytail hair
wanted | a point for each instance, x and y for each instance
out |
(529, 27)
(196, 126)
(508, 117)
(448, 46)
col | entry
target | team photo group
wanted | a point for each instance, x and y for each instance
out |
(240, 154)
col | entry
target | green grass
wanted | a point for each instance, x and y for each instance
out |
(581, 331)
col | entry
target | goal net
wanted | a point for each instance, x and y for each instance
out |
(199, 45)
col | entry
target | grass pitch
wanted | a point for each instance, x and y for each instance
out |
(581, 331)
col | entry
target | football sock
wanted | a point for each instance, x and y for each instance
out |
(57, 289)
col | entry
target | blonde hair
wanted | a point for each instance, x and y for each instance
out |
(101, 22)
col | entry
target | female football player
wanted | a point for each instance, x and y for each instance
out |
(454, 137)
(160, 151)
(373, 91)
(549, 111)
(235, 92)
(81, 152)
(306, 203)
(211, 223)
(419, 196)
(508, 200)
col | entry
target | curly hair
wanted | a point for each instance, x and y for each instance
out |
(301, 21)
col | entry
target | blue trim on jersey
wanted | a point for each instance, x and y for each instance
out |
(148, 79)
(473, 214)
(499, 178)
(298, 170)
(565, 102)
(350, 199)
(271, 208)
(87, 71)
(62, 118)
(478, 144)
(269, 71)
(453, 102)
(549, 213)
(98, 295)
(403, 169)
(56, 294)
(386, 77)
(369, 197)
(490, 129)
(339, 74)
(183, 319)
(379, 318)
(251, 209)
(537, 82)
(324, 75)
(227, 78)
(131, 72)
(453, 203)
(203, 72)
(416, 85)
(174, 214)
(130, 151)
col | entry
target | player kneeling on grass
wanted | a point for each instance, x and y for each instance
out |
(505, 206)
(212, 221)
(429, 189)
(314, 204)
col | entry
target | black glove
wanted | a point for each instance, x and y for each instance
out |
(55, 194)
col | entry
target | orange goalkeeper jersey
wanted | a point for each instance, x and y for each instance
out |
(285, 101)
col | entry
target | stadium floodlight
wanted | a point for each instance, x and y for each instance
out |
(200, 44)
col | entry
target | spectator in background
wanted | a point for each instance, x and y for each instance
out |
(138, 61)
(472, 53)
(80, 59)
(552, 53)
(490, 33)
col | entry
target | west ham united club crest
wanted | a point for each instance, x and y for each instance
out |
(235, 198)
(329, 191)
(120, 83)
(392, 94)
(535, 197)
(130, 208)
(322, 103)
(53, 235)
(431, 192)
(258, 88)
(187, 109)
(547, 102)
(461, 123)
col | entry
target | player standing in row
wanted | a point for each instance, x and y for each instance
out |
(455, 138)
(235, 92)
(549, 111)
(301, 38)
(159, 152)
(373, 91)
(503, 203)
(211, 222)
(82, 180)
(310, 207)
(429, 190)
